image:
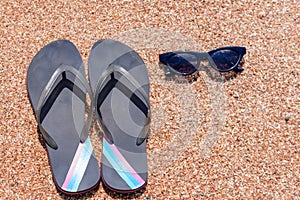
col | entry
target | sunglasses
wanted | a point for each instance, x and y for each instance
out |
(222, 59)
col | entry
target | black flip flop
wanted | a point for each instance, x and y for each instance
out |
(119, 79)
(57, 90)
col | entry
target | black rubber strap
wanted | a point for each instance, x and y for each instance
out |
(48, 96)
(125, 90)
(115, 83)
(64, 83)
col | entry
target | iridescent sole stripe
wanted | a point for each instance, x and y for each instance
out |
(78, 166)
(121, 166)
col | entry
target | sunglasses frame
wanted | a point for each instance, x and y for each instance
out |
(201, 56)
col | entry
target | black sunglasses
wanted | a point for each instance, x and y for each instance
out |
(222, 59)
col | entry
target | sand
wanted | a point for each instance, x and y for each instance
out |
(235, 138)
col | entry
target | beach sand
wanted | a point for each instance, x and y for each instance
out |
(237, 137)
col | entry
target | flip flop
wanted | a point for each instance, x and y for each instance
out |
(57, 89)
(119, 79)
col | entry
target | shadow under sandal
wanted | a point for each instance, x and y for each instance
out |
(119, 79)
(57, 90)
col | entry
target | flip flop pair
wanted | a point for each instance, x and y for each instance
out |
(118, 91)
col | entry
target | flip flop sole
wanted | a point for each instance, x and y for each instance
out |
(124, 163)
(74, 167)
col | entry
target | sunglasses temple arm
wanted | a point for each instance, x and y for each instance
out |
(238, 69)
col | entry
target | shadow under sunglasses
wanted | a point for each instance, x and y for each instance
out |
(222, 59)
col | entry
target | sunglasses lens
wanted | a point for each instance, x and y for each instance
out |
(183, 63)
(225, 59)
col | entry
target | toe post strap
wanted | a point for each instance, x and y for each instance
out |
(105, 89)
(53, 88)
